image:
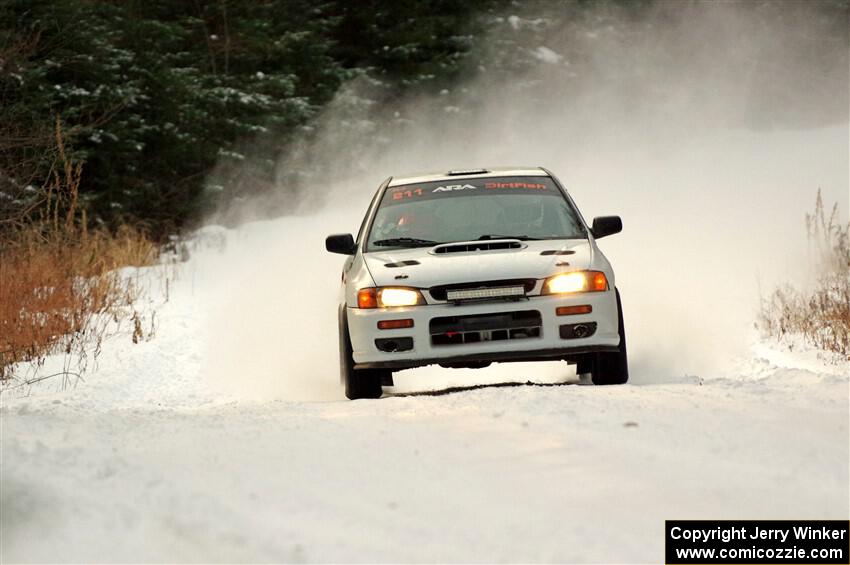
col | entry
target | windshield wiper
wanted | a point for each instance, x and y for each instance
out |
(497, 236)
(405, 242)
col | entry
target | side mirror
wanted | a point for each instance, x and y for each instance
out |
(606, 225)
(341, 243)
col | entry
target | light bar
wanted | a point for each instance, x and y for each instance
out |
(478, 293)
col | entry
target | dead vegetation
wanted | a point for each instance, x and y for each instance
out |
(61, 287)
(819, 315)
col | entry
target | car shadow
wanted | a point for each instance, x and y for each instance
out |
(458, 389)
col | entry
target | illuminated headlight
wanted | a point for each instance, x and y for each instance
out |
(388, 297)
(577, 281)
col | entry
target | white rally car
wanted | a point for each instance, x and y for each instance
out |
(469, 267)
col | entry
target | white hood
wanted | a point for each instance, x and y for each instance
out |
(471, 266)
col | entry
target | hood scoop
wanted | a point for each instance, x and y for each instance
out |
(408, 263)
(474, 246)
(558, 252)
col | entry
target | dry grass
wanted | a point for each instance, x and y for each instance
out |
(60, 288)
(820, 315)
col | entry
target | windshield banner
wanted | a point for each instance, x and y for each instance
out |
(469, 187)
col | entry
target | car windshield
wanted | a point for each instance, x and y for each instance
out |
(425, 214)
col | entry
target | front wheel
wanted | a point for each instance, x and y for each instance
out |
(612, 368)
(358, 383)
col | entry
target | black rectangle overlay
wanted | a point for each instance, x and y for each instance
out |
(694, 542)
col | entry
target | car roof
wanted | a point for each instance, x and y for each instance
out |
(470, 173)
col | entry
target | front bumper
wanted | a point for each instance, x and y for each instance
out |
(547, 344)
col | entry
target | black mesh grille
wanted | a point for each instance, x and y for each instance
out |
(457, 330)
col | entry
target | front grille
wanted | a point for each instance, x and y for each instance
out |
(457, 330)
(439, 292)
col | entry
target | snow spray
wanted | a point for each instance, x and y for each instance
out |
(707, 126)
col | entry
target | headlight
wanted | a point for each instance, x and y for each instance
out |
(577, 281)
(388, 297)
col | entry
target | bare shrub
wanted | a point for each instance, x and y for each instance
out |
(60, 287)
(820, 315)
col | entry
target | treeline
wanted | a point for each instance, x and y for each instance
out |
(149, 96)
(168, 107)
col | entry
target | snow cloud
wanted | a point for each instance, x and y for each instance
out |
(707, 126)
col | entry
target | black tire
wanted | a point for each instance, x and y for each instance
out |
(362, 383)
(612, 368)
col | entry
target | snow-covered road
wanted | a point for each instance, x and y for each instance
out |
(559, 473)
(152, 459)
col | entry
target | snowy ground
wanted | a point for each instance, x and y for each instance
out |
(179, 449)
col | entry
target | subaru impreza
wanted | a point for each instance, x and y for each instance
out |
(466, 268)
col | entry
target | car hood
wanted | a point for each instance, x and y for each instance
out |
(423, 268)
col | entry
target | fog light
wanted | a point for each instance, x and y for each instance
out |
(577, 331)
(394, 345)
